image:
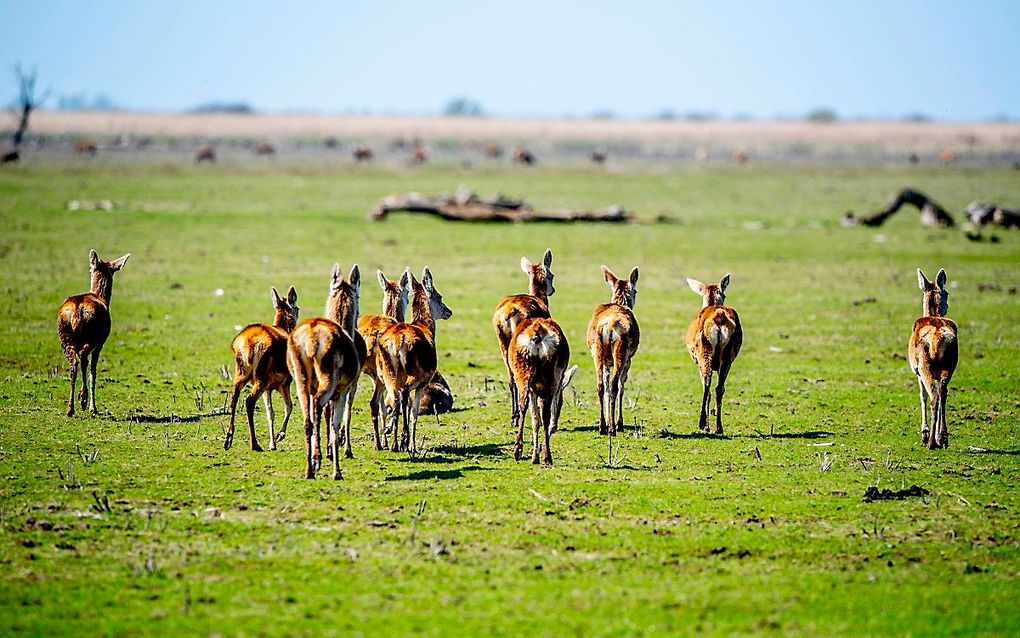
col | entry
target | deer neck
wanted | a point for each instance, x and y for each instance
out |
(394, 307)
(620, 298)
(343, 309)
(102, 286)
(931, 306)
(536, 288)
(283, 320)
(421, 313)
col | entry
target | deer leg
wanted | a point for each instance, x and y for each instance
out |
(624, 369)
(288, 407)
(600, 390)
(720, 389)
(308, 407)
(924, 421)
(239, 382)
(73, 359)
(933, 436)
(706, 400)
(249, 405)
(335, 423)
(536, 424)
(405, 411)
(414, 409)
(93, 361)
(348, 410)
(320, 400)
(614, 399)
(519, 426)
(943, 429)
(267, 403)
(376, 409)
(83, 395)
(546, 422)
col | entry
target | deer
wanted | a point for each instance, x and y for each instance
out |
(86, 146)
(83, 324)
(363, 153)
(265, 149)
(513, 309)
(523, 156)
(370, 327)
(325, 355)
(538, 359)
(205, 154)
(406, 359)
(260, 358)
(613, 338)
(713, 340)
(933, 354)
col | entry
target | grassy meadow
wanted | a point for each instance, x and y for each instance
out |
(136, 521)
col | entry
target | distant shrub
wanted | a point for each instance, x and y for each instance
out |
(463, 107)
(823, 115)
(242, 108)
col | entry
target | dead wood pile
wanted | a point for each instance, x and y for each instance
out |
(467, 206)
(932, 214)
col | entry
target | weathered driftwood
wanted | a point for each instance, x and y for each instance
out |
(985, 214)
(467, 206)
(932, 214)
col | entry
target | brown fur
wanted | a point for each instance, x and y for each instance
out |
(325, 362)
(370, 327)
(523, 156)
(613, 338)
(266, 149)
(406, 359)
(713, 341)
(538, 358)
(205, 154)
(363, 153)
(83, 324)
(86, 146)
(933, 354)
(260, 357)
(512, 310)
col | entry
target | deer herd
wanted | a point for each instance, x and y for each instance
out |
(326, 356)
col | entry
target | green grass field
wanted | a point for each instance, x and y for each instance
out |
(680, 534)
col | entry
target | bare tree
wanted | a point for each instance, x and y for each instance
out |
(28, 101)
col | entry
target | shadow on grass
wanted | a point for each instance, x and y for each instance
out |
(666, 434)
(485, 449)
(986, 451)
(810, 434)
(174, 418)
(435, 474)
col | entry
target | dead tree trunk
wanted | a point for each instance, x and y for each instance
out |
(27, 102)
(932, 214)
(466, 206)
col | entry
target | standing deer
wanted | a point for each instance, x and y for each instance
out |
(512, 310)
(83, 323)
(406, 359)
(933, 354)
(260, 357)
(370, 327)
(538, 358)
(325, 359)
(613, 338)
(713, 339)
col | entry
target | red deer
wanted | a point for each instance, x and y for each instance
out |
(260, 358)
(86, 146)
(599, 157)
(933, 355)
(83, 323)
(265, 149)
(324, 358)
(370, 327)
(331, 142)
(363, 153)
(740, 157)
(406, 359)
(613, 338)
(493, 151)
(419, 156)
(947, 157)
(538, 358)
(713, 339)
(913, 158)
(515, 308)
(523, 156)
(205, 154)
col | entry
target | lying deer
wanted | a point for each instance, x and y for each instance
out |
(370, 327)
(613, 338)
(83, 323)
(260, 358)
(933, 355)
(512, 310)
(406, 359)
(713, 339)
(325, 362)
(538, 359)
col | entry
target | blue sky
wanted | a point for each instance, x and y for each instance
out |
(955, 61)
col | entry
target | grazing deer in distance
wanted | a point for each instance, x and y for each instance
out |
(83, 324)
(523, 156)
(406, 359)
(363, 154)
(933, 354)
(713, 339)
(325, 359)
(370, 327)
(513, 309)
(260, 357)
(205, 154)
(86, 146)
(538, 359)
(613, 338)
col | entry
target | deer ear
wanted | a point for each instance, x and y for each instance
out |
(922, 281)
(405, 279)
(291, 296)
(696, 285)
(426, 279)
(384, 283)
(568, 376)
(355, 277)
(547, 258)
(634, 276)
(93, 258)
(724, 282)
(526, 265)
(276, 297)
(336, 277)
(940, 278)
(609, 276)
(117, 264)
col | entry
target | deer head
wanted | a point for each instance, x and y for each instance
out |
(540, 278)
(935, 300)
(286, 309)
(101, 274)
(624, 290)
(711, 294)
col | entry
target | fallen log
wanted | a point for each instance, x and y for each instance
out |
(467, 206)
(932, 214)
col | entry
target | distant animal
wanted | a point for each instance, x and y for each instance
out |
(331, 142)
(370, 327)
(325, 358)
(948, 157)
(538, 358)
(86, 146)
(514, 309)
(419, 155)
(740, 157)
(913, 158)
(713, 341)
(984, 214)
(613, 338)
(260, 358)
(406, 359)
(205, 154)
(933, 354)
(523, 156)
(83, 324)
(10, 156)
(363, 153)
(265, 149)
(599, 157)
(437, 397)
(493, 151)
